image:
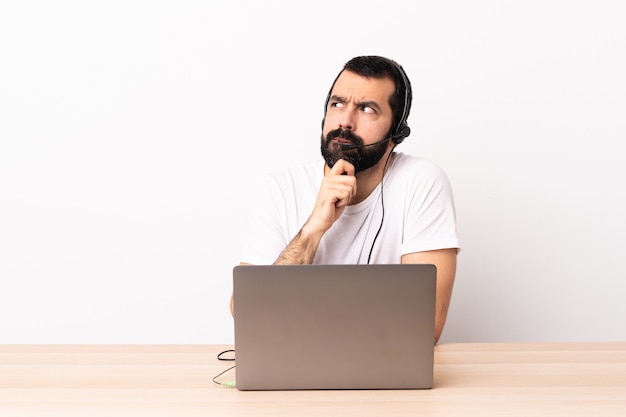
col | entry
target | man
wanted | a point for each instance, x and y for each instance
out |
(366, 203)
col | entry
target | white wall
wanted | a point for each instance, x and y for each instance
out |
(131, 133)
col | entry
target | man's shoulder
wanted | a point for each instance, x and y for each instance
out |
(418, 165)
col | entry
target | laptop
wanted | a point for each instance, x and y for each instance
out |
(310, 327)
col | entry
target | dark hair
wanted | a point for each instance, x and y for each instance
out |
(379, 67)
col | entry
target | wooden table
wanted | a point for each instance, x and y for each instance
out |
(483, 379)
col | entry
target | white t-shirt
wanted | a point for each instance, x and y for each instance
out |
(419, 215)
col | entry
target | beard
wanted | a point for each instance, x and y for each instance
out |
(362, 157)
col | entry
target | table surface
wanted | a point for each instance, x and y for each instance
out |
(471, 379)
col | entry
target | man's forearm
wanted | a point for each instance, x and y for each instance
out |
(301, 250)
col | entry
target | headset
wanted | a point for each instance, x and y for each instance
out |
(400, 130)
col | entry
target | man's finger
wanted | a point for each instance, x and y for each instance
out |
(342, 167)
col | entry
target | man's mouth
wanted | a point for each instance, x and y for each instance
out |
(341, 140)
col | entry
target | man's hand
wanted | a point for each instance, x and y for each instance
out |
(337, 190)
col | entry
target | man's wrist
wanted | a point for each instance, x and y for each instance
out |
(311, 232)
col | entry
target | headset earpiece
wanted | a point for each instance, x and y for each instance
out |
(402, 132)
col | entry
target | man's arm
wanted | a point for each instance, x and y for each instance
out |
(445, 261)
(302, 249)
(338, 188)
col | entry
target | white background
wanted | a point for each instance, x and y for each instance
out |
(131, 133)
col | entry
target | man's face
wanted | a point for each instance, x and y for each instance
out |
(360, 157)
(358, 114)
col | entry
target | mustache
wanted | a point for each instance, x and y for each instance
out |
(344, 134)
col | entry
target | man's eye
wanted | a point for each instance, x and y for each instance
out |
(337, 105)
(367, 109)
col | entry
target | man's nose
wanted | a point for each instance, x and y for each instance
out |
(347, 120)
